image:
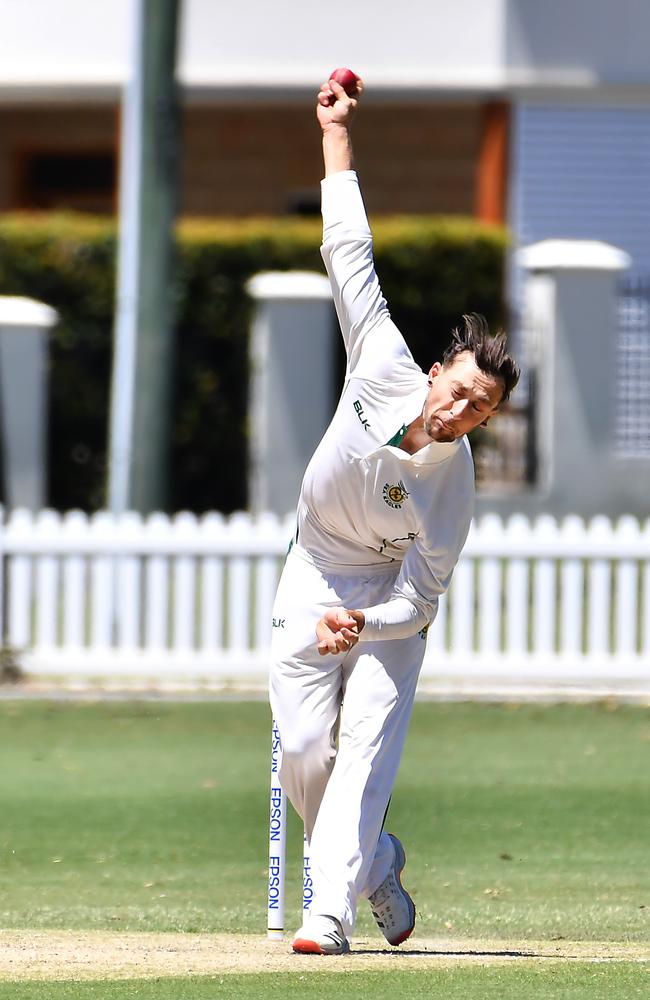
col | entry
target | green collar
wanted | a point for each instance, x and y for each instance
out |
(396, 439)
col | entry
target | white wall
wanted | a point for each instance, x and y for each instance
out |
(63, 42)
(424, 45)
(583, 41)
(417, 43)
(288, 43)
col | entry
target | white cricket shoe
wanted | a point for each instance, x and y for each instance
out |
(320, 935)
(391, 905)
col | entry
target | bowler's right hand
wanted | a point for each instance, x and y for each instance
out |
(334, 106)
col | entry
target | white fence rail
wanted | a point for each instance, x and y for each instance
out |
(190, 598)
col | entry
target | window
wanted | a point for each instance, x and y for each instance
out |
(79, 180)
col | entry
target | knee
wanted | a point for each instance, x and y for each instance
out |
(304, 748)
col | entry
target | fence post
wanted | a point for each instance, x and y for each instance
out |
(570, 326)
(291, 397)
(23, 399)
(3, 577)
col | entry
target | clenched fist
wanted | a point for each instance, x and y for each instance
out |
(338, 630)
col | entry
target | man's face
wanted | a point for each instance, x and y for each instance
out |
(460, 397)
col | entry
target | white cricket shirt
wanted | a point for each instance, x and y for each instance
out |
(365, 503)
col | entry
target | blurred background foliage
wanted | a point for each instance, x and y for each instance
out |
(432, 270)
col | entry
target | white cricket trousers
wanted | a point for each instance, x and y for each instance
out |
(340, 787)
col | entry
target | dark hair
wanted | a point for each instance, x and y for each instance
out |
(489, 350)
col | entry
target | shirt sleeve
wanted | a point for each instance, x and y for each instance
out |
(348, 256)
(396, 619)
(427, 568)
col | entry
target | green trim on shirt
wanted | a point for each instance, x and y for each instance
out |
(396, 439)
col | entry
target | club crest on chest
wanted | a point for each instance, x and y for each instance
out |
(395, 496)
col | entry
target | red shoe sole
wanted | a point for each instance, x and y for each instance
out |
(403, 938)
(303, 946)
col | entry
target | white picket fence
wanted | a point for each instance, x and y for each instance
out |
(189, 599)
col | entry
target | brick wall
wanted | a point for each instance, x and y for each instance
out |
(258, 160)
(415, 158)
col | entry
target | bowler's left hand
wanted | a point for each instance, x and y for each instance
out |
(338, 630)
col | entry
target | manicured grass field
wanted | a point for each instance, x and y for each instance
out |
(524, 822)
(623, 981)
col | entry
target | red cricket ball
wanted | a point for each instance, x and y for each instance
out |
(346, 78)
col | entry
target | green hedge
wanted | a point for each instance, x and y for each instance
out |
(432, 270)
